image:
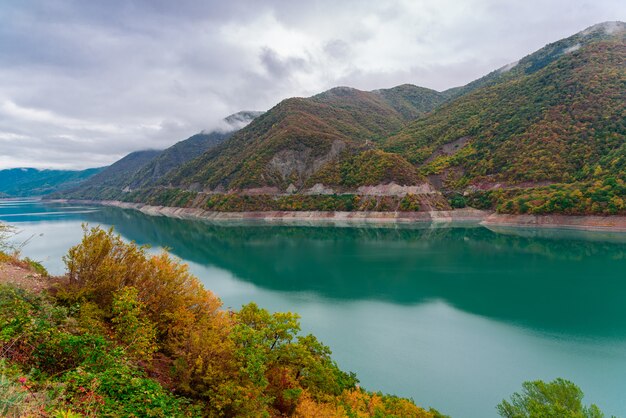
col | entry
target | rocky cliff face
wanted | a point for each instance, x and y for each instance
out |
(296, 166)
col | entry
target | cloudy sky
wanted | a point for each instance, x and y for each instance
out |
(84, 82)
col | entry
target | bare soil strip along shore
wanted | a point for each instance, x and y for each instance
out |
(22, 277)
(468, 215)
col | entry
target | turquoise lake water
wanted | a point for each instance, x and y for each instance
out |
(454, 317)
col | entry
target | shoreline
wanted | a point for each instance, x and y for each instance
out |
(443, 217)
(570, 222)
(467, 215)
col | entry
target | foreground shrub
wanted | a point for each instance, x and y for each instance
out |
(13, 398)
(69, 372)
(126, 315)
(360, 403)
(103, 264)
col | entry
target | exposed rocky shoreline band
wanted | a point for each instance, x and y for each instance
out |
(468, 215)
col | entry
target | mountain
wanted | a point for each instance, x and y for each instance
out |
(20, 182)
(114, 177)
(172, 157)
(297, 138)
(146, 168)
(541, 58)
(546, 134)
(556, 119)
(495, 129)
(186, 150)
(550, 137)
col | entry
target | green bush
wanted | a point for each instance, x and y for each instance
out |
(457, 201)
(559, 398)
(409, 203)
(36, 266)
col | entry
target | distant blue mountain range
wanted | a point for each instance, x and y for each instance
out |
(21, 182)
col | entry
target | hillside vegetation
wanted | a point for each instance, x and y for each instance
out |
(541, 58)
(556, 137)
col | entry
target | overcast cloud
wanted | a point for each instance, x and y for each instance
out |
(82, 83)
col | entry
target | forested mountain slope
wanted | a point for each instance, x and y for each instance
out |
(549, 118)
(117, 174)
(293, 140)
(563, 123)
(551, 125)
(541, 58)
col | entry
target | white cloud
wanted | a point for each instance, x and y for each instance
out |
(83, 83)
(508, 67)
(571, 49)
(32, 115)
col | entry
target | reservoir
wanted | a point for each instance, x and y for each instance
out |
(454, 316)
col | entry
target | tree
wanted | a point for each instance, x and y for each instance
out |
(132, 327)
(559, 399)
(282, 364)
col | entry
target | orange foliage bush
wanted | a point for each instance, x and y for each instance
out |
(246, 363)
